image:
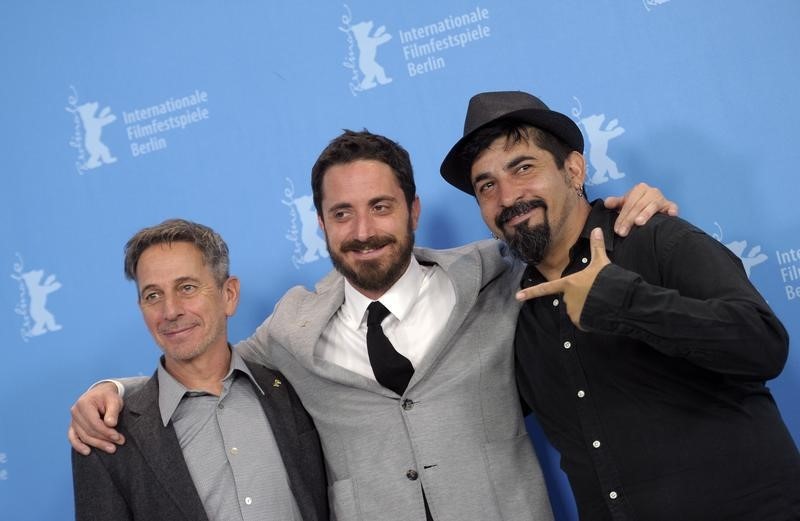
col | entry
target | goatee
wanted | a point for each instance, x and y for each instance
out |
(528, 243)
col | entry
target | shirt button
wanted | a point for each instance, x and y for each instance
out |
(248, 500)
(584, 260)
(567, 344)
(234, 451)
(581, 394)
(220, 406)
(408, 405)
(412, 475)
(596, 444)
(555, 302)
(612, 495)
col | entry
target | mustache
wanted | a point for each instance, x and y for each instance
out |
(518, 209)
(371, 243)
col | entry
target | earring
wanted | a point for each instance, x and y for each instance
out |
(579, 192)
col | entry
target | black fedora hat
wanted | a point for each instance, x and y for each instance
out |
(488, 107)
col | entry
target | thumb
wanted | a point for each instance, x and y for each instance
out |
(113, 407)
(597, 247)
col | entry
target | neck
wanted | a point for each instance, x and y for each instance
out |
(204, 372)
(557, 258)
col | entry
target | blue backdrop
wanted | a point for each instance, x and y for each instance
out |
(117, 115)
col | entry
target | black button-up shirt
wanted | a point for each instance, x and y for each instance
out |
(659, 407)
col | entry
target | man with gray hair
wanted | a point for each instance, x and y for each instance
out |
(210, 436)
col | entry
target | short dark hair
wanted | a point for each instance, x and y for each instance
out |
(514, 131)
(351, 146)
(209, 242)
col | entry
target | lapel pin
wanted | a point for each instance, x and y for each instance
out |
(276, 383)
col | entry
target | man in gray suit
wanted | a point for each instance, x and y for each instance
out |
(188, 456)
(444, 441)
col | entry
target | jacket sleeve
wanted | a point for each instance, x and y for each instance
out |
(256, 348)
(703, 309)
(97, 498)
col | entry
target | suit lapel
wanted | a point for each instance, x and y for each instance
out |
(281, 416)
(160, 448)
(313, 316)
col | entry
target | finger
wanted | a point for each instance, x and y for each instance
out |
(113, 408)
(88, 422)
(672, 209)
(92, 441)
(76, 442)
(540, 290)
(597, 246)
(613, 202)
(631, 206)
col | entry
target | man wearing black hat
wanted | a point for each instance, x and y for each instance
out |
(644, 357)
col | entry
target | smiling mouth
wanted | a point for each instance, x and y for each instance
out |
(176, 332)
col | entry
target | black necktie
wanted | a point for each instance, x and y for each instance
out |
(392, 370)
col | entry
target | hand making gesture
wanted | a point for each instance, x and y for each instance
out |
(575, 287)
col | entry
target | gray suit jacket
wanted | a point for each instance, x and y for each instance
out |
(458, 430)
(147, 479)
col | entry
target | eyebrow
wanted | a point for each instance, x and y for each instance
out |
(374, 200)
(176, 282)
(513, 162)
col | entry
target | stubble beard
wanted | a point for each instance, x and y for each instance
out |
(372, 275)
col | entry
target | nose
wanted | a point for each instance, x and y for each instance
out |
(364, 226)
(506, 193)
(172, 307)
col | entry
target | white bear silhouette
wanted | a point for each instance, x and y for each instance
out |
(44, 321)
(93, 127)
(603, 165)
(754, 257)
(368, 48)
(315, 245)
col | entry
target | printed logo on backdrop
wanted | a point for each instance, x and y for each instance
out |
(789, 272)
(750, 257)
(34, 288)
(652, 4)
(597, 137)
(3, 461)
(422, 46)
(146, 127)
(87, 130)
(366, 73)
(309, 245)
(788, 262)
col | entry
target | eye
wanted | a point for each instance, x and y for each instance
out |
(188, 288)
(151, 297)
(381, 208)
(524, 167)
(484, 187)
(340, 215)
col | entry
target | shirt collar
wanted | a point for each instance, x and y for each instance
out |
(398, 299)
(171, 391)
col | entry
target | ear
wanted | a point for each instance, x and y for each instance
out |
(230, 292)
(575, 166)
(416, 208)
(321, 223)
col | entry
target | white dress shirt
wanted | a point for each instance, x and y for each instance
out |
(420, 303)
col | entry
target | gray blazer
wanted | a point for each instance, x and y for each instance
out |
(147, 478)
(458, 430)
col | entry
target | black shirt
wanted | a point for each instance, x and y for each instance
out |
(659, 407)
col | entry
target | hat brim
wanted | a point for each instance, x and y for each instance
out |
(455, 169)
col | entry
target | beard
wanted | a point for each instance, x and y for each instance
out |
(527, 243)
(374, 275)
